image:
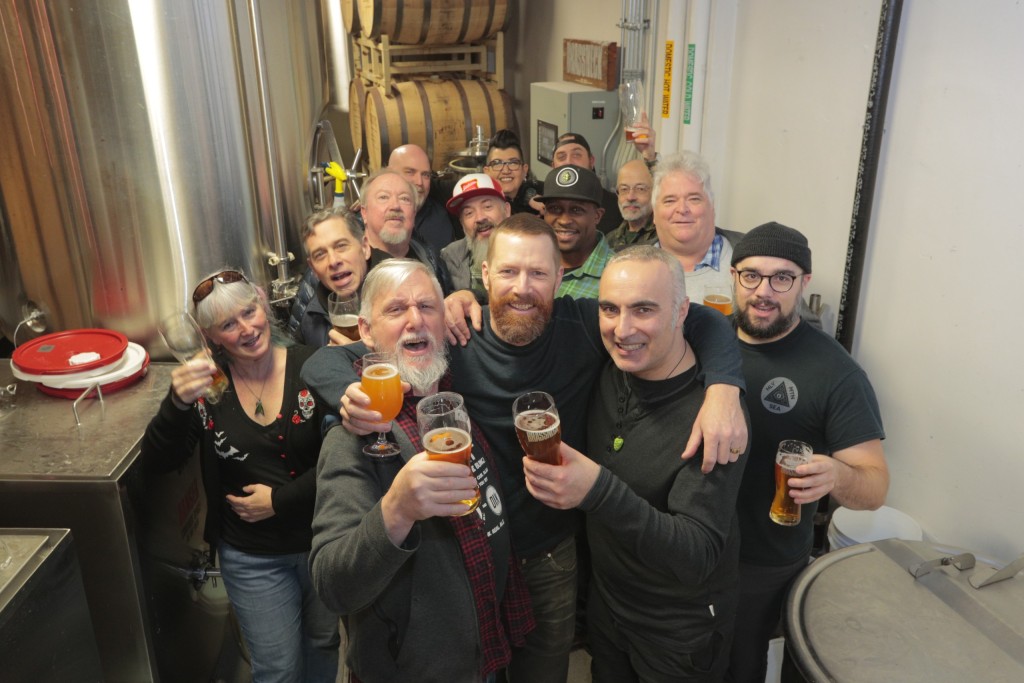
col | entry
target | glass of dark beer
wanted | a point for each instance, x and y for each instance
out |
(445, 430)
(538, 426)
(791, 454)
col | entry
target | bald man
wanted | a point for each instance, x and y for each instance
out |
(433, 225)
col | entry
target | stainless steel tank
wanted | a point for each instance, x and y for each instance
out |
(146, 143)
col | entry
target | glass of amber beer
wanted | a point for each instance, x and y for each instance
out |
(791, 454)
(538, 426)
(380, 381)
(444, 428)
(186, 342)
(343, 310)
(719, 298)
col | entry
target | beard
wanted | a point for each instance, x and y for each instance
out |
(394, 236)
(766, 332)
(514, 328)
(634, 211)
(421, 373)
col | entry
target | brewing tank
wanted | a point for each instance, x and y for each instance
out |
(147, 143)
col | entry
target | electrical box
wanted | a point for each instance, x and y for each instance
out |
(559, 107)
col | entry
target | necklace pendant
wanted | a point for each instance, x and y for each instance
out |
(259, 412)
(617, 443)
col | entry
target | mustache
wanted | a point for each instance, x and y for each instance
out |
(394, 215)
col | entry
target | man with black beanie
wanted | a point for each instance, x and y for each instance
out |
(801, 384)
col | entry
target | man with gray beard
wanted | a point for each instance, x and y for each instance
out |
(634, 187)
(388, 210)
(390, 549)
(480, 205)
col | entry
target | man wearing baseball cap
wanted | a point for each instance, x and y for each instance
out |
(573, 148)
(479, 204)
(801, 384)
(572, 207)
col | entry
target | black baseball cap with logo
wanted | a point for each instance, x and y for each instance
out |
(572, 182)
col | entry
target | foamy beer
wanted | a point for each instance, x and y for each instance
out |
(719, 298)
(538, 426)
(343, 310)
(791, 454)
(445, 430)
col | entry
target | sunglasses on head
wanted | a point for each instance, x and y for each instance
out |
(224, 277)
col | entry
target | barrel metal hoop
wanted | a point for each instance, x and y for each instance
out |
(425, 24)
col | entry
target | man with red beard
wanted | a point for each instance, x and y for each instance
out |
(801, 385)
(479, 205)
(530, 340)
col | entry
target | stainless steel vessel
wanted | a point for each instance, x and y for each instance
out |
(136, 536)
(147, 143)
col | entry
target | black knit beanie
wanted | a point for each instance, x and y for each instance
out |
(774, 239)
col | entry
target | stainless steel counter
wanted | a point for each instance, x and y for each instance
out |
(150, 623)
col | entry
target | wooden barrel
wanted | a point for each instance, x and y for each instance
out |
(433, 22)
(357, 112)
(350, 15)
(438, 115)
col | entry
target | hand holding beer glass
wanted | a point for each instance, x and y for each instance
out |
(538, 426)
(380, 381)
(343, 310)
(445, 430)
(791, 454)
(186, 342)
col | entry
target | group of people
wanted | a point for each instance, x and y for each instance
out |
(671, 414)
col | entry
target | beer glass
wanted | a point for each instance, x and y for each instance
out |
(538, 426)
(445, 430)
(719, 298)
(791, 454)
(343, 310)
(380, 381)
(186, 341)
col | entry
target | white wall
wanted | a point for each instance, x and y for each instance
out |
(937, 327)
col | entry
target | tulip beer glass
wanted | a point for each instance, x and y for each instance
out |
(791, 454)
(344, 313)
(380, 381)
(445, 430)
(538, 426)
(186, 342)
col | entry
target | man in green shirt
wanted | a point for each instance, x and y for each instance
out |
(572, 207)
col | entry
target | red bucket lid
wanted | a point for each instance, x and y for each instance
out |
(51, 354)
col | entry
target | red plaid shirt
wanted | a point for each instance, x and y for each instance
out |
(498, 633)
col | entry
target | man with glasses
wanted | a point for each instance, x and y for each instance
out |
(634, 190)
(572, 207)
(801, 384)
(506, 165)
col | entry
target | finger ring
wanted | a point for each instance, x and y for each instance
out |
(735, 451)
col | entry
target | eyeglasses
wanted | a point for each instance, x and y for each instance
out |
(224, 277)
(510, 164)
(626, 189)
(780, 282)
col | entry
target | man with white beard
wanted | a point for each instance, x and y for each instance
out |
(390, 550)
(388, 210)
(480, 205)
(633, 188)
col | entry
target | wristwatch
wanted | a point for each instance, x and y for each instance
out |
(653, 162)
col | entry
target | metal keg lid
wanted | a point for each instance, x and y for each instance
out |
(859, 614)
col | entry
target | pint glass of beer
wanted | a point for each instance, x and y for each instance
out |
(791, 454)
(538, 426)
(445, 430)
(719, 298)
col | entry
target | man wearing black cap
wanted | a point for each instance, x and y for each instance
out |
(573, 148)
(572, 207)
(801, 384)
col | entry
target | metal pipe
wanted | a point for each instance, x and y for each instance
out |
(867, 171)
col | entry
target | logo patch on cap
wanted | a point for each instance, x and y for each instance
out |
(468, 185)
(567, 177)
